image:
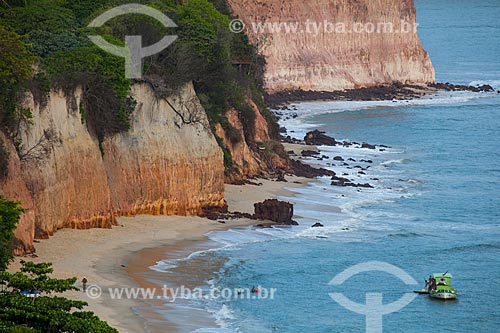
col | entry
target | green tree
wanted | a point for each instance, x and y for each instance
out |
(15, 69)
(10, 213)
(15, 63)
(47, 312)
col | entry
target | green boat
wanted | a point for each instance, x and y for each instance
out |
(442, 289)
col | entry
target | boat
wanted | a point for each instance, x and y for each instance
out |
(441, 289)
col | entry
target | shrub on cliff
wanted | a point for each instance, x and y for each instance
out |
(105, 89)
(15, 70)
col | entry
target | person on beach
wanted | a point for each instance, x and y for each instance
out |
(84, 283)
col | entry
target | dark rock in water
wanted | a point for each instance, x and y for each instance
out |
(346, 144)
(317, 225)
(309, 153)
(366, 161)
(325, 157)
(345, 174)
(345, 164)
(498, 91)
(458, 87)
(381, 149)
(283, 130)
(274, 210)
(362, 173)
(351, 159)
(319, 138)
(368, 146)
(304, 170)
(338, 158)
(291, 153)
(344, 182)
(358, 167)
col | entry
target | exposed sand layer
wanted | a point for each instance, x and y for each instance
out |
(103, 255)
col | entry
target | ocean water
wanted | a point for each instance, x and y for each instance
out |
(435, 206)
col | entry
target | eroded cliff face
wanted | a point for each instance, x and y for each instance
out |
(63, 168)
(14, 186)
(162, 165)
(169, 162)
(323, 58)
(252, 155)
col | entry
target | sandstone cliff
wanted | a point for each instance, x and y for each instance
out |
(317, 59)
(254, 155)
(162, 165)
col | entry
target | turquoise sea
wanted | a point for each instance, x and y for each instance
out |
(435, 206)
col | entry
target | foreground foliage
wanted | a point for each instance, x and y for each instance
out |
(47, 312)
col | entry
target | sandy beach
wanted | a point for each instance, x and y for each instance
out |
(112, 258)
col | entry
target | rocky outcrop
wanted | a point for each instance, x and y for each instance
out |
(162, 165)
(315, 57)
(274, 210)
(305, 170)
(318, 138)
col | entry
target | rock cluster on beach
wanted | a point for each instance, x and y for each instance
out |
(276, 211)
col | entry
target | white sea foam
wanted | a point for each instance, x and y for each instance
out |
(494, 83)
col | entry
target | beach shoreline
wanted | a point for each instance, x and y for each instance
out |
(112, 258)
